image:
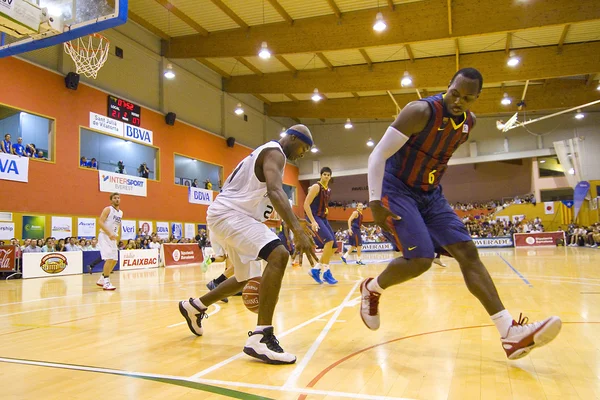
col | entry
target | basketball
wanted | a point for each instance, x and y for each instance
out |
(250, 294)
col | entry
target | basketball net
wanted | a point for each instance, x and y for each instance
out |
(89, 53)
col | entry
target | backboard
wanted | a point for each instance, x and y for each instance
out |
(28, 25)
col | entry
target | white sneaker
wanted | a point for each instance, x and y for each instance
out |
(439, 262)
(193, 316)
(369, 306)
(265, 346)
(523, 337)
(100, 281)
(108, 286)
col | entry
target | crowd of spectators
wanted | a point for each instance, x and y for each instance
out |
(369, 233)
(495, 205)
(578, 235)
(20, 149)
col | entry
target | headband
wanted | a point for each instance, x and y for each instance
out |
(300, 136)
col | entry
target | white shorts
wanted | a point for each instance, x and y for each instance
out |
(218, 250)
(243, 238)
(108, 248)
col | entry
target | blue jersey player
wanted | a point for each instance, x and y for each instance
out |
(354, 234)
(406, 199)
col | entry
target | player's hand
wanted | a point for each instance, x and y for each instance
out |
(382, 216)
(304, 244)
(306, 228)
(314, 226)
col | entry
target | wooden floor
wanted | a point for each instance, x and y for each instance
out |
(64, 338)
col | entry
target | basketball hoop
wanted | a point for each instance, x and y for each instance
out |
(89, 53)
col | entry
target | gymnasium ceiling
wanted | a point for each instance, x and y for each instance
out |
(331, 45)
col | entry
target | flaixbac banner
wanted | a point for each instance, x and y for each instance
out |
(34, 227)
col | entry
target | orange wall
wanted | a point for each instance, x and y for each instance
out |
(61, 187)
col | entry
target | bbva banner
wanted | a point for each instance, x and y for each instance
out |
(200, 196)
(125, 184)
(14, 168)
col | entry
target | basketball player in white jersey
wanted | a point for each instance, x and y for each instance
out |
(249, 196)
(110, 226)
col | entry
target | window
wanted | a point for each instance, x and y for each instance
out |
(192, 172)
(35, 133)
(550, 166)
(116, 155)
(291, 193)
(557, 194)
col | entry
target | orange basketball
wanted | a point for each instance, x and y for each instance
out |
(250, 294)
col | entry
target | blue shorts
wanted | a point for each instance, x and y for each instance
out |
(428, 222)
(355, 238)
(324, 234)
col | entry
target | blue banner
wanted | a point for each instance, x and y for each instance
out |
(567, 203)
(581, 190)
(93, 259)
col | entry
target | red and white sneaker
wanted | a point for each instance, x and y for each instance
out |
(523, 337)
(369, 306)
(100, 281)
(108, 285)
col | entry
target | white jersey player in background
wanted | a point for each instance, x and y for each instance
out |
(110, 226)
(249, 196)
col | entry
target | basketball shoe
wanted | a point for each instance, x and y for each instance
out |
(522, 337)
(315, 273)
(369, 306)
(265, 346)
(212, 285)
(100, 281)
(193, 315)
(328, 277)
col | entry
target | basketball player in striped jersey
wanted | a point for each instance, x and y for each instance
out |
(110, 226)
(406, 199)
(316, 206)
(235, 218)
(354, 234)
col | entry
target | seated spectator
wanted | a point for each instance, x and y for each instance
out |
(49, 246)
(154, 243)
(72, 245)
(144, 171)
(145, 244)
(121, 168)
(32, 248)
(40, 155)
(18, 148)
(7, 144)
(195, 183)
(93, 164)
(83, 162)
(94, 245)
(207, 184)
(82, 244)
(59, 247)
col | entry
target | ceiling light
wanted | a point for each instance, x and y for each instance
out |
(379, 23)
(579, 115)
(348, 124)
(282, 134)
(406, 79)
(370, 142)
(264, 52)
(316, 96)
(542, 161)
(513, 60)
(314, 150)
(169, 73)
(239, 110)
(598, 88)
(506, 101)
(571, 171)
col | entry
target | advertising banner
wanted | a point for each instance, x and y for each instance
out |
(14, 168)
(62, 227)
(124, 184)
(162, 230)
(500, 241)
(146, 227)
(7, 230)
(127, 229)
(538, 239)
(177, 230)
(8, 258)
(86, 227)
(39, 265)
(180, 254)
(94, 260)
(200, 196)
(106, 124)
(189, 231)
(34, 227)
(136, 259)
(581, 190)
(373, 246)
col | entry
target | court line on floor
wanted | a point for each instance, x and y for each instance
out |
(293, 378)
(207, 385)
(216, 310)
(283, 334)
(515, 271)
(321, 374)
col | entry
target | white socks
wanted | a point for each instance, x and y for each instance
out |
(199, 303)
(503, 321)
(373, 286)
(317, 266)
(260, 328)
(346, 254)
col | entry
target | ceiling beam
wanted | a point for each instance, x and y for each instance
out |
(250, 66)
(457, 53)
(262, 98)
(590, 79)
(427, 73)
(409, 52)
(391, 5)
(323, 33)
(212, 66)
(363, 52)
(539, 98)
(230, 13)
(563, 36)
(147, 25)
(335, 8)
(508, 43)
(281, 11)
(356, 96)
(325, 60)
(291, 97)
(183, 16)
(450, 17)
(285, 62)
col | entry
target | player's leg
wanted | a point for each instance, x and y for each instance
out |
(518, 338)
(358, 248)
(349, 251)
(110, 254)
(327, 238)
(438, 260)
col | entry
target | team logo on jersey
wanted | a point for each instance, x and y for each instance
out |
(465, 128)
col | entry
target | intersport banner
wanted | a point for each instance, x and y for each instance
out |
(136, 259)
(180, 254)
(112, 182)
(538, 239)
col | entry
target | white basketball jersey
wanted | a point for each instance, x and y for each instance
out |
(243, 191)
(113, 221)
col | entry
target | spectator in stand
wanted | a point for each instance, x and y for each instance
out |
(30, 150)
(195, 183)
(59, 247)
(144, 171)
(32, 248)
(93, 164)
(94, 245)
(121, 168)
(145, 244)
(83, 162)
(121, 245)
(154, 243)
(18, 148)
(7, 144)
(40, 243)
(49, 246)
(72, 245)
(207, 184)
(81, 244)
(40, 155)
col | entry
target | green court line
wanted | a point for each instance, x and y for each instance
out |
(150, 377)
